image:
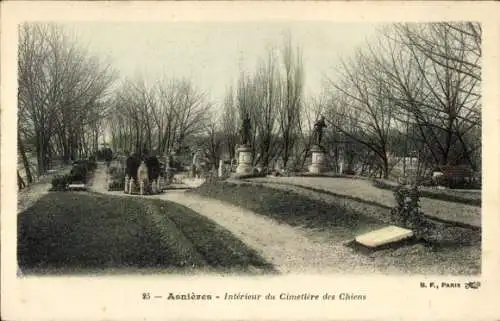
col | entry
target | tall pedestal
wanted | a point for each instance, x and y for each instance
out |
(318, 160)
(244, 160)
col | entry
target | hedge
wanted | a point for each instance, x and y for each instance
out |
(439, 195)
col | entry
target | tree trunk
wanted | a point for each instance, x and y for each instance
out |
(20, 182)
(26, 164)
(385, 169)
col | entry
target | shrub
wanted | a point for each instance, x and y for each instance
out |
(116, 173)
(92, 163)
(407, 212)
(79, 172)
(169, 176)
(250, 175)
(177, 165)
(60, 183)
(442, 195)
(458, 182)
(116, 185)
(348, 172)
(457, 176)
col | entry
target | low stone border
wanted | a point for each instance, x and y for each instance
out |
(331, 175)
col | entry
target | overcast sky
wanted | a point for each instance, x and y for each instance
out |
(213, 54)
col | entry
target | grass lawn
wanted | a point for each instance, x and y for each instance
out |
(448, 249)
(72, 232)
(292, 208)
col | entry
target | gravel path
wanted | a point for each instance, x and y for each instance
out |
(289, 249)
(363, 189)
(29, 195)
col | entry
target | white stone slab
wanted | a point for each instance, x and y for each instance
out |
(76, 186)
(384, 236)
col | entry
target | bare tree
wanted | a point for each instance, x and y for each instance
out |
(291, 98)
(159, 117)
(417, 80)
(230, 123)
(267, 92)
(214, 141)
(364, 104)
(451, 45)
(61, 92)
(443, 91)
(310, 112)
(246, 100)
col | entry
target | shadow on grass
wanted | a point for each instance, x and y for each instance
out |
(293, 209)
(66, 231)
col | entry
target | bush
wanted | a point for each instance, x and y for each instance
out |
(348, 172)
(116, 173)
(176, 165)
(458, 176)
(169, 176)
(116, 185)
(92, 163)
(407, 212)
(253, 174)
(79, 172)
(442, 195)
(458, 182)
(60, 183)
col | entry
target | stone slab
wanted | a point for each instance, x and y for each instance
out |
(77, 186)
(383, 236)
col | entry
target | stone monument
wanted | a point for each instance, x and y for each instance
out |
(244, 151)
(221, 168)
(318, 153)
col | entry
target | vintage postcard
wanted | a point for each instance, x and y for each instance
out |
(250, 160)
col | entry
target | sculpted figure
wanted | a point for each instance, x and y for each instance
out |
(245, 131)
(318, 131)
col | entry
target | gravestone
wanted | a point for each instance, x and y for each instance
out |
(384, 236)
(221, 168)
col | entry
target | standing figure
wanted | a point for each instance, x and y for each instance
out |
(245, 130)
(318, 131)
(195, 164)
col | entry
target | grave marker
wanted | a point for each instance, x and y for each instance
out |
(383, 236)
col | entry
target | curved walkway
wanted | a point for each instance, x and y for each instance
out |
(364, 190)
(289, 249)
(32, 193)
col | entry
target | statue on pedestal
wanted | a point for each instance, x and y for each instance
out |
(318, 131)
(244, 151)
(317, 151)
